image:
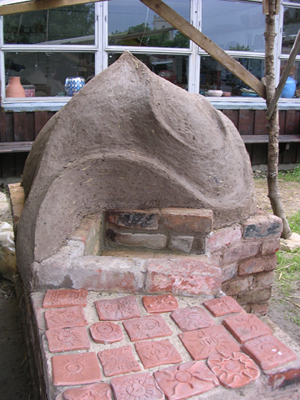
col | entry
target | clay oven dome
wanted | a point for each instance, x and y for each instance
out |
(130, 139)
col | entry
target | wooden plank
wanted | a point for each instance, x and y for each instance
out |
(29, 127)
(246, 122)
(6, 129)
(255, 139)
(290, 121)
(40, 5)
(19, 126)
(40, 119)
(166, 12)
(285, 75)
(282, 115)
(260, 154)
(260, 123)
(8, 165)
(233, 115)
(20, 162)
(15, 147)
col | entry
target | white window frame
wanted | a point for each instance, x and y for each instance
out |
(101, 49)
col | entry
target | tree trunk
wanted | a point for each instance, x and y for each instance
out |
(273, 126)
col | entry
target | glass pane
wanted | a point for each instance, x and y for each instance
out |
(213, 76)
(131, 23)
(172, 68)
(291, 25)
(293, 80)
(65, 25)
(234, 25)
(48, 71)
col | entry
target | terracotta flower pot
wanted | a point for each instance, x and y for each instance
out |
(14, 87)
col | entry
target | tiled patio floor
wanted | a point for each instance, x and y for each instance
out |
(134, 347)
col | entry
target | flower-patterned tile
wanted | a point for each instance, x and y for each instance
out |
(191, 318)
(75, 369)
(65, 317)
(106, 332)
(269, 352)
(65, 298)
(117, 309)
(148, 327)
(233, 371)
(160, 304)
(222, 306)
(155, 353)
(185, 380)
(246, 326)
(97, 391)
(136, 387)
(67, 339)
(203, 343)
(118, 361)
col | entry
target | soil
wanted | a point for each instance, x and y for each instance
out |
(14, 372)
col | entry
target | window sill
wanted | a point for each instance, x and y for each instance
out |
(220, 103)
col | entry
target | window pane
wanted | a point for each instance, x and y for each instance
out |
(295, 75)
(234, 25)
(214, 76)
(65, 25)
(131, 23)
(48, 71)
(291, 25)
(172, 68)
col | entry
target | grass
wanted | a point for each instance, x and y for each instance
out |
(290, 176)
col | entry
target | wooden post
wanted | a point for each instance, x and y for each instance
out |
(40, 5)
(164, 11)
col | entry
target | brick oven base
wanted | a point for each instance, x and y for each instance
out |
(60, 381)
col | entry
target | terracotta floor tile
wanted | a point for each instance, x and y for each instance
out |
(246, 327)
(98, 391)
(149, 327)
(136, 387)
(160, 304)
(65, 298)
(106, 332)
(203, 343)
(185, 380)
(117, 309)
(67, 339)
(233, 371)
(118, 361)
(269, 352)
(222, 306)
(155, 353)
(75, 369)
(65, 318)
(192, 318)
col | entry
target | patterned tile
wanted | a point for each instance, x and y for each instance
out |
(269, 352)
(191, 318)
(185, 380)
(203, 343)
(65, 318)
(246, 327)
(65, 298)
(149, 327)
(155, 353)
(117, 309)
(222, 306)
(118, 361)
(106, 332)
(98, 391)
(75, 369)
(136, 387)
(160, 304)
(67, 339)
(233, 371)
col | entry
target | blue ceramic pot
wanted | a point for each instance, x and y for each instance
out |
(73, 84)
(289, 88)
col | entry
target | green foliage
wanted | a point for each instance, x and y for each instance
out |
(239, 47)
(294, 221)
(288, 270)
(290, 176)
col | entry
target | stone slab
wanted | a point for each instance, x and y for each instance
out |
(118, 361)
(65, 298)
(148, 327)
(117, 309)
(65, 317)
(106, 332)
(68, 339)
(222, 306)
(160, 304)
(154, 353)
(191, 318)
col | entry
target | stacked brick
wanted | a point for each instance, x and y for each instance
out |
(152, 348)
